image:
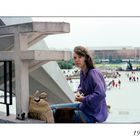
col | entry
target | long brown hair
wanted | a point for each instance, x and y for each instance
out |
(82, 51)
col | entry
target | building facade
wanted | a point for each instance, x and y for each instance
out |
(125, 53)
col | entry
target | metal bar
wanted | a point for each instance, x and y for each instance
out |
(5, 82)
(7, 70)
(10, 82)
(2, 103)
(7, 110)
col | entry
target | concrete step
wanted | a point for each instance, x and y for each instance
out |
(12, 119)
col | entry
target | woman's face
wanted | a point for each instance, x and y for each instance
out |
(79, 61)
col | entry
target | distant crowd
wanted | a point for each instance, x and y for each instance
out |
(116, 82)
(132, 77)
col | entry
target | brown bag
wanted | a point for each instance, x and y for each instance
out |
(39, 108)
(64, 115)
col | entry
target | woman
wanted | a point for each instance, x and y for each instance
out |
(91, 106)
(92, 86)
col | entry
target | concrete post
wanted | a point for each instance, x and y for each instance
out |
(22, 76)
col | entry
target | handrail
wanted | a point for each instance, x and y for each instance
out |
(7, 70)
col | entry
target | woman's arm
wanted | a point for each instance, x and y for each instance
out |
(98, 89)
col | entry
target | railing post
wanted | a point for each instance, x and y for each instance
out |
(7, 70)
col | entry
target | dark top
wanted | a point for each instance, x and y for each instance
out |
(93, 86)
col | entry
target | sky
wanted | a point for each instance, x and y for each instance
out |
(92, 32)
(95, 32)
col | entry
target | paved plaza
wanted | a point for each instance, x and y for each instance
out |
(124, 101)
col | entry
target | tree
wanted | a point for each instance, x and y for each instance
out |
(118, 59)
(97, 60)
(110, 59)
(66, 64)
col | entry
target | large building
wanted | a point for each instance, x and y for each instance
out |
(124, 53)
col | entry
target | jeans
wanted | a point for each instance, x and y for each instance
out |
(79, 116)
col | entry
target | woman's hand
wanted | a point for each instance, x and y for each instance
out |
(79, 97)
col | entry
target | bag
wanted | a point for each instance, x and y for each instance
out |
(39, 108)
(64, 115)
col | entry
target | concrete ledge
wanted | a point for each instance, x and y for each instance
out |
(12, 119)
(42, 27)
(47, 55)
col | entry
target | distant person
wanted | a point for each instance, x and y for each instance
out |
(119, 83)
(134, 79)
(108, 107)
(118, 74)
(128, 75)
(137, 79)
(130, 79)
(113, 83)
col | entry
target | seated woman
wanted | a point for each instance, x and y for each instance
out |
(91, 104)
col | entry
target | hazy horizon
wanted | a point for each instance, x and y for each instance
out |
(99, 32)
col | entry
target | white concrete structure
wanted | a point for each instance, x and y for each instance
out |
(19, 38)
